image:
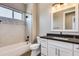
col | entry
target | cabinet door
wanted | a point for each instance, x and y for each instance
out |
(76, 49)
(65, 52)
(52, 50)
(76, 53)
(43, 51)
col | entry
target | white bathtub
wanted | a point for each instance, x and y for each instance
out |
(15, 49)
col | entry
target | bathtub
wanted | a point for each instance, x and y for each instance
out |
(15, 49)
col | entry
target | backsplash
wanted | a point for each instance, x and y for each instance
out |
(64, 34)
(5, 20)
(11, 31)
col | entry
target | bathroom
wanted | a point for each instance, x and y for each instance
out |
(39, 29)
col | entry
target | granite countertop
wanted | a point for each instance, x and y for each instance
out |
(69, 40)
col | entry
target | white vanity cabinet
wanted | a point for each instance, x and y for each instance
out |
(43, 47)
(57, 48)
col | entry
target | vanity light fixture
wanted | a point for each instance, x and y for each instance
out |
(57, 6)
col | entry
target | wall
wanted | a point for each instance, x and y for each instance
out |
(44, 18)
(16, 6)
(34, 22)
(29, 8)
(11, 33)
(40, 19)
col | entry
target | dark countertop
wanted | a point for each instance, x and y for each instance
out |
(70, 40)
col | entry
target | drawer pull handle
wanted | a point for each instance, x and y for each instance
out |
(56, 51)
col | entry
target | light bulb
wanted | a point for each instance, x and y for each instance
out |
(65, 3)
(58, 6)
(53, 8)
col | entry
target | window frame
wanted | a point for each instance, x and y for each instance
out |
(13, 10)
(17, 12)
(4, 10)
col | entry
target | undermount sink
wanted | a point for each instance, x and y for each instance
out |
(60, 38)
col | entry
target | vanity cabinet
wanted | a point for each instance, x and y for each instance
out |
(57, 48)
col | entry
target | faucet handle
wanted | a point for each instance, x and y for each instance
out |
(27, 38)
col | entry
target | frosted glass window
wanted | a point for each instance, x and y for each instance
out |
(17, 16)
(5, 12)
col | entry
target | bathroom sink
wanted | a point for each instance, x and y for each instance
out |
(60, 38)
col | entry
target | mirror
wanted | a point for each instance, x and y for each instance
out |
(70, 20)
(64, 20)
(58, 21)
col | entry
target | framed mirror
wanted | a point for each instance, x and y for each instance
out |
(69, 20)
(65, 20)
(58, 21)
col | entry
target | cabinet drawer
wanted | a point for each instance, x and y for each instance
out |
(43, 51)
(44, 45)
(44, 42)
(61, 44)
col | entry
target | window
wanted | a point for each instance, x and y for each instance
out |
(17, 15)
(5, 12)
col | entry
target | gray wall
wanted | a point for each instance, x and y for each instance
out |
(40, 19)
(44, 18)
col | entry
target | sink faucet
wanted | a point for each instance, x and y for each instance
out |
(60, 33)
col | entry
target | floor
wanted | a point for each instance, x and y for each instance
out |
(27, 53)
